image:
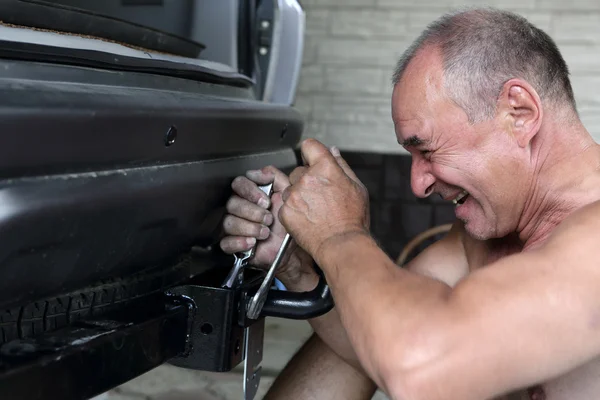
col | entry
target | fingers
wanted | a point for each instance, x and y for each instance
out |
(236, 244)
(297, 174)
(267, 175)
(285, 196)
(236, 226)
(343, 164)
(247, 210)
(248, 190)
(313, 151)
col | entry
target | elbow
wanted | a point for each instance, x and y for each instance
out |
(408, 385)
(416, 371)
(402, 383)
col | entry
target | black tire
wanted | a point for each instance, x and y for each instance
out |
(57, 312)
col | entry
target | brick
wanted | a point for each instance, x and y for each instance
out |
(581, 57)
(568, 5)
(366, 137)
(303, 104)
(412, 4)
(590, 116)
(368, 24)
(359, 52)
(312, 78)
(503, 4)
(317, 22)
(576, 27)
(586, 88)
(313, 128)
(355, 80)
(542, 20)
(342, 3)
(310, 51)
(316, 130)
(353, 109)
(417, 21)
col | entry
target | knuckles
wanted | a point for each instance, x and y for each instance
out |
(330, 167)
(309, 180)
(296, 174)
(293, 197)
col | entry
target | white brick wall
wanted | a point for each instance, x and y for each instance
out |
(352, 45)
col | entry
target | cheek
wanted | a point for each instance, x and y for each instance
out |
(456, 169)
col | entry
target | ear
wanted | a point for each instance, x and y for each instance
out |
(521, 107)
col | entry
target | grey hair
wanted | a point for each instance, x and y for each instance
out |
(484, 48)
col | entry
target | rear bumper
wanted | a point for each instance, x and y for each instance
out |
(89, 188)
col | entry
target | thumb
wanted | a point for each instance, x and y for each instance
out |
(343, 164)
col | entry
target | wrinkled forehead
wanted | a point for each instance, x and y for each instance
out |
(416, 96)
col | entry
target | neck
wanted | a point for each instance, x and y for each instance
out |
(566, 162)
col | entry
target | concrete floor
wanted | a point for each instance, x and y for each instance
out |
(282, 340)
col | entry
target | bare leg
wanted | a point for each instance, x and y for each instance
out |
(316, 373)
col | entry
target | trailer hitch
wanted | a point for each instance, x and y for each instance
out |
(197, 325)
(221, 334)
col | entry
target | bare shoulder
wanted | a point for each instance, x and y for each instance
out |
(445, 260)
(579, 232)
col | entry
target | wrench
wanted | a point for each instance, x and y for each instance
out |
(258, 300)
(236, 275)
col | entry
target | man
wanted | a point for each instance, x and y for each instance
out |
(509, 300)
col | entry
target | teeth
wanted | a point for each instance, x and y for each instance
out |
(458, 198)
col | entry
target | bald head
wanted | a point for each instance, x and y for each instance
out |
(481, 49)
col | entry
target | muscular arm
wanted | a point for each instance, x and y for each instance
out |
(415, 338)
(327, 366)
(445, 260)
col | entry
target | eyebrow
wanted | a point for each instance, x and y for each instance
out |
(413, 141)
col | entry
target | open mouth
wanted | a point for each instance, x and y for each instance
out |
(461, 198)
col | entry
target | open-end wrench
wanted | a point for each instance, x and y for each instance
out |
(236, 276)
(258, 300)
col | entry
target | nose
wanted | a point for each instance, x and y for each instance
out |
(421, 178)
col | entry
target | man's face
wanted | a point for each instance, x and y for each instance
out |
(471, 163)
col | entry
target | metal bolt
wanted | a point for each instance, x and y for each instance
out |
(265, 24)
(263, 51)
(170, 136)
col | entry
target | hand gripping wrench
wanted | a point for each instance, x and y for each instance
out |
(236, 276)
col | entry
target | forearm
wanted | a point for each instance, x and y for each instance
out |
(329, 326)
(316, 372)
(384, 309)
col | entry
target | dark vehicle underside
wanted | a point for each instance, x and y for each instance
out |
(114, 172)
